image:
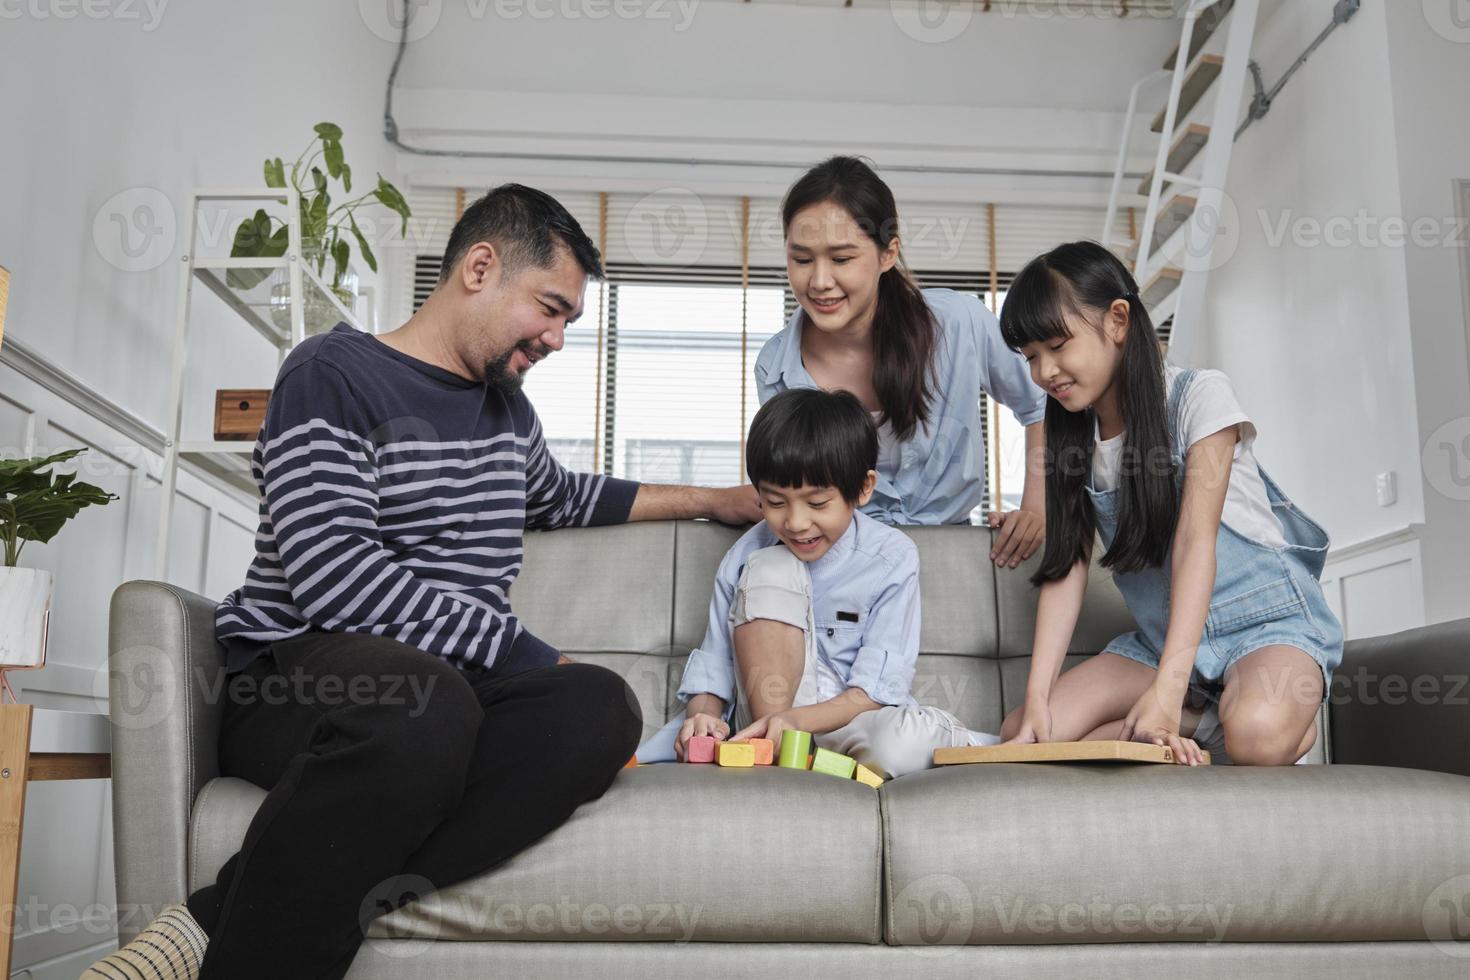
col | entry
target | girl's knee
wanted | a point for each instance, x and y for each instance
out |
(1259, 735)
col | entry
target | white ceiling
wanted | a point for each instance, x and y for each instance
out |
(1010, 57)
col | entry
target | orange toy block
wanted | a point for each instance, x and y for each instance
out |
(765, 750)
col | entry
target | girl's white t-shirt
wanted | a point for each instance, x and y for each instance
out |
(1209, 406)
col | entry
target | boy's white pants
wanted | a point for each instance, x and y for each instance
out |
(892, 740)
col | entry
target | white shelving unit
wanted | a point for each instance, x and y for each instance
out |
(230, 461)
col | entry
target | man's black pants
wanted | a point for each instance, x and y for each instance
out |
(390, 773)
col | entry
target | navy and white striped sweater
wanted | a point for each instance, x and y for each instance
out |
(394, 495)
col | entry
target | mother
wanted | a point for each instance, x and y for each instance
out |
(918, 359)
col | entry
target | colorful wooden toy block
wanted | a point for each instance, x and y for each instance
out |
(736, 755)
(795, 748)
(868, 777)
(833, 763)
(701, 748)
(631, 763)
(765, 751)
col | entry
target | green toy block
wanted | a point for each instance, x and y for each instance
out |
(833, 763)
(795, 747)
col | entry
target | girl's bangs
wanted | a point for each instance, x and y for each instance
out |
(1036, 308)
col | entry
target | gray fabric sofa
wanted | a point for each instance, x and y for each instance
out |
(1357, 867)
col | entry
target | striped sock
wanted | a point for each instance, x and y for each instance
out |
(171, 948)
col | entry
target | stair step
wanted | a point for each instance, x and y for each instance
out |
(1175, 214)
(1196, 84)
(1204, 29)
(1164, 282)
(1191, 140)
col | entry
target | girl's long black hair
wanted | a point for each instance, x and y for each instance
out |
(1085, 279)
(904, 331)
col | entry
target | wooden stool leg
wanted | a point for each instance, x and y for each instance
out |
(15, 747)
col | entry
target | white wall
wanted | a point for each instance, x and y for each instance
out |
(1346, 342)
(1430, 68)
(185, 95)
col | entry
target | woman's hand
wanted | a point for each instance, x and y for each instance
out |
(699, 724)
(1021, 533)
(771, 727)
(1035, 724)
(1155, 718)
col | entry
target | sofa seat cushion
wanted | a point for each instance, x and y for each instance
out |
(1088, 853)
(669, 853)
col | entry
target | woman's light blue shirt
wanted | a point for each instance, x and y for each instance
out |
(942, 468)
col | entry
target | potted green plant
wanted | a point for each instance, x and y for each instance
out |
(326, 230)
(33, 507)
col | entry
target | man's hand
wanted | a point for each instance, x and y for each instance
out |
(736, 506)
(564, 659)
(1021, 533)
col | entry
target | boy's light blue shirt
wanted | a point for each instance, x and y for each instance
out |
(942, 468)
(872, 571)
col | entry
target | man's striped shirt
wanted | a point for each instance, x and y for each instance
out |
(394, 496)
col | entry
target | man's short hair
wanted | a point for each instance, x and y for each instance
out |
(813, 437)
(526, 226)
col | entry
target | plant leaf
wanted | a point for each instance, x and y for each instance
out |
(328, 131)
(34, 505)
(275, 173)
(388, 195)
(332, 151)
(319, 179)
(251, 242)
(346, 179)
(362, 245)
(340, 253)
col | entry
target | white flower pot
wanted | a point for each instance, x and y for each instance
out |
(25, 612)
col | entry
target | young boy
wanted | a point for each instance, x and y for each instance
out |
(814, 622)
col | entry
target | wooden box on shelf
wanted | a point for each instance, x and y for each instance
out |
(239, 413)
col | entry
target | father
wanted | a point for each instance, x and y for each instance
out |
(397, 475)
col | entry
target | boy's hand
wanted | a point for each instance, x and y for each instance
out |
(1021, 533)
(699, 724)
(771, 727)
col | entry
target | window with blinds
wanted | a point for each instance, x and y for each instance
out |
(656, 382)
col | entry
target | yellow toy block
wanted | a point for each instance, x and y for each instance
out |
(738, 755)
(867, 776)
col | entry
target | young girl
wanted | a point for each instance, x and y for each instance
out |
(918, 360)
(814, 622)
(1218, 568)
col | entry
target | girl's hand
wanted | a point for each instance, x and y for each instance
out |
(1021, 533)
(699, 724)
(771, 727)
(1155, 718)
(1035, 724)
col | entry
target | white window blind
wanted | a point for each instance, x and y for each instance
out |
(655, 382)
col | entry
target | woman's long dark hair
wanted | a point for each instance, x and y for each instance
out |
(904, 331)
(1085, 279)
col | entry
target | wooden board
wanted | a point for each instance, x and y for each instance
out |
(1100, 751)
(4, 296)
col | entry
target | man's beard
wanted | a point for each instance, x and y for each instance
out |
(498, 372)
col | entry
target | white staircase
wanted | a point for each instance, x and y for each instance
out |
(1188, 211)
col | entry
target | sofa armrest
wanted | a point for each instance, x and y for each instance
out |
(166, 676)
(1404, 700)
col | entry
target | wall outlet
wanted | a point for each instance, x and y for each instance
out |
(1388, 489)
